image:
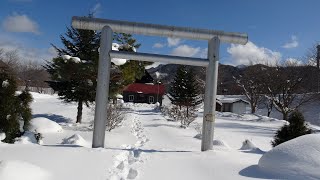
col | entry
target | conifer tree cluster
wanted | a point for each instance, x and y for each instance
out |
(14, 109)
(296, 127)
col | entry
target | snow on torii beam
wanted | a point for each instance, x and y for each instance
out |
(211, 63)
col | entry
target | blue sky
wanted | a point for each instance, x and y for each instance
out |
(278, 30)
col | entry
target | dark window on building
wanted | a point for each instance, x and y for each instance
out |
(131, 97)
(151, 99)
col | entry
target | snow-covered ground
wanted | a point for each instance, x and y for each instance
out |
(145, 147)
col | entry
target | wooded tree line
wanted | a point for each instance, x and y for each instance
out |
(28, 72)
(281, 87)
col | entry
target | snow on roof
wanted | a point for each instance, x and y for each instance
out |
(226, 100)
(145, 88)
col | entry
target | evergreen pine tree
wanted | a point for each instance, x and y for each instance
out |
(76, 81)
(9, 123)
(25, 98)
(177, 91)
(295, 128)
(131, 70)
(184, 90)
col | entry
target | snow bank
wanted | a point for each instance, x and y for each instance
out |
(44, 125)
(296, 159)
(15, 170)
(76, 139)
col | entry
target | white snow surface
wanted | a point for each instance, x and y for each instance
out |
(146, 146)
(295, 159)
(20, 170)
(44, 125)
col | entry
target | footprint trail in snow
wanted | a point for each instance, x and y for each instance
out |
(127, 161)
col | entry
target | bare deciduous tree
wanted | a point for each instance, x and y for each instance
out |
(285, 89)
(115, 116)
(252, 84)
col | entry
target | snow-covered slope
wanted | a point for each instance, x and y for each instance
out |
(145, 147)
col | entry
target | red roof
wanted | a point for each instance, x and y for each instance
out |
(145, 88)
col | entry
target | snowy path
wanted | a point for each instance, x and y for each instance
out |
(173, 153)
(125, 163)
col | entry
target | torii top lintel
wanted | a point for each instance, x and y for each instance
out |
(158, 30)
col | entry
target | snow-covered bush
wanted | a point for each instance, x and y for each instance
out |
(165, 110)
(115, 116)
(186, 115)
(198, 128)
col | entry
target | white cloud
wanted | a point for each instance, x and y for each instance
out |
(158, 45)
(173, 42)
(185, 50)
(20, 23)
(203, 53)
(96, 9)
(25, 52)
(252, 54)
(293, 43)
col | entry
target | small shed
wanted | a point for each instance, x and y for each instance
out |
(143, 93)
(234, 105)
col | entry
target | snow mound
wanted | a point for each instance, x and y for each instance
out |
(298, 158)
(26, 138)
(15, 170)
(76, 139)
(248, 145)
(44, 125)
(219, 144)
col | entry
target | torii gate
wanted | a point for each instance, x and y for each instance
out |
(211, 63)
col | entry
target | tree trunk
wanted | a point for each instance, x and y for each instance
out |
(285, 115)
(269, 112)
(79, 113)
(187, 111)
(253, 108)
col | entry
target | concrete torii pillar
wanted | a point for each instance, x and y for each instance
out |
(211, 63)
